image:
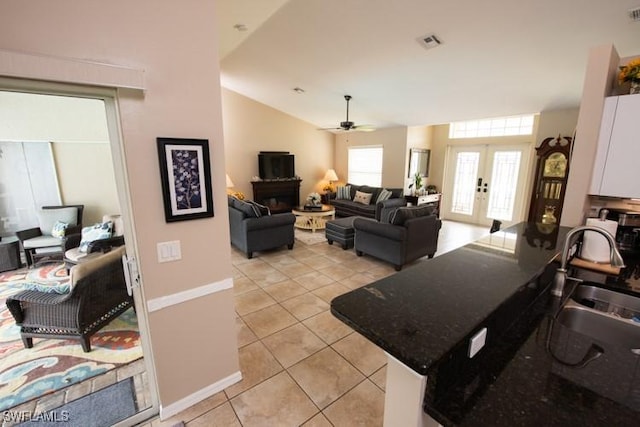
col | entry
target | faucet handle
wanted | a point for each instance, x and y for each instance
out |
(603, 214)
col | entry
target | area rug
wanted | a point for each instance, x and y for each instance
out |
(310, 238)
(51, 364)
(103, 408)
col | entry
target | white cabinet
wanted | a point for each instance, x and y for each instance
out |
(616, 171)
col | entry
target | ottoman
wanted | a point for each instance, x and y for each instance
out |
(341, 231)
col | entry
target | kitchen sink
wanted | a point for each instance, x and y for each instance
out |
(604, 315)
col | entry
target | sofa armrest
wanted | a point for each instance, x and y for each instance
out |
(384, 208)
(30, 233)
(270, 221)
(72, 241)
(389, 231)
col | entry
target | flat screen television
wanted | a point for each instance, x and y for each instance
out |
(276, 165)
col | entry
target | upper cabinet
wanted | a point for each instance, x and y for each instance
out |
(616, 172)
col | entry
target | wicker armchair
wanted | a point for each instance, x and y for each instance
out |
(39, 241)
(98, 295)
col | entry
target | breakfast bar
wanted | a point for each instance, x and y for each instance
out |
(471, 340)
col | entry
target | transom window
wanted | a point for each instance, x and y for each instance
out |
(499, 126)
(365, 165)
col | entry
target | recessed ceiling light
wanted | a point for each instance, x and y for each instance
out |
(240, 27)
(298, 90)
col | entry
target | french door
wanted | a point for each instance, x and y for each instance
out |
(485, 183)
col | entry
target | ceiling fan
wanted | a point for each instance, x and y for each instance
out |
(349, 125)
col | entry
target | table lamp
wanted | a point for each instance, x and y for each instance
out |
(331, 177)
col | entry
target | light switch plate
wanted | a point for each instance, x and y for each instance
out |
(477, 342)
(169, 251)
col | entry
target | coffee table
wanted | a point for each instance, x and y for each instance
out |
(313, 219)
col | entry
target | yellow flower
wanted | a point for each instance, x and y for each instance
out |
(630, 72)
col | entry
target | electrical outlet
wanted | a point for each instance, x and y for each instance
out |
(477, 342)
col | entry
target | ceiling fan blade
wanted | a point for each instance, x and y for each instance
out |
(364, 128)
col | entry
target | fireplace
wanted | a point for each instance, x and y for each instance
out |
(279, 195)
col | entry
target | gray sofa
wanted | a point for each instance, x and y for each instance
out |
(254, 229)
(407, 234)
(347, 207)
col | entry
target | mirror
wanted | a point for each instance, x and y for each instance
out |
(419, 162)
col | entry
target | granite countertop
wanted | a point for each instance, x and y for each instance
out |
(425, 315)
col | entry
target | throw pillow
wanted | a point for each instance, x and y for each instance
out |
(258, 209)
(59, 229)
(364, 198)
(404, 213)
(343, 193)
(53, 288)
(384, 195)
(101, 230)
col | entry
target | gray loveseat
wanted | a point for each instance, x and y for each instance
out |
(405, 235)
(348, 207)
(253, 228)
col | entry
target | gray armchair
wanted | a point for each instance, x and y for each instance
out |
(254, 229)
(411, 233)
(39, 240)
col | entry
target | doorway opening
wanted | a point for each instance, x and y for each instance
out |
(117, 356)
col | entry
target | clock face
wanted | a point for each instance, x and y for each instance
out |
(555, 166)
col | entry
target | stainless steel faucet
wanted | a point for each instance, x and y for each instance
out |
(561, 277)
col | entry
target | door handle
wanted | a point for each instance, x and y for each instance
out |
(485, 187)
(479, 185)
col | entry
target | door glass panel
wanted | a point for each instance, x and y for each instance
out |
(504, 182)
(464, 184)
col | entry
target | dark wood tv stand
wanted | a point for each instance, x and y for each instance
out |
(279, 195)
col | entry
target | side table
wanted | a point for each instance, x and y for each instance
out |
(9, 254)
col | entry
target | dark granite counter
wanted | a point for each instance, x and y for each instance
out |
(425, 315)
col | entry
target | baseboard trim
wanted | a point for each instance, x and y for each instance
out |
(180, 297)
(182, 404)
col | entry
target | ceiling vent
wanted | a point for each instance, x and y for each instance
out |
(634, 14)
(430, 41)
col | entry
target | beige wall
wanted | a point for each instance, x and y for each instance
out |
(250, 127)
(34, 117)
(175, 44)
(599, 82)
(85, 176)
(395, 153)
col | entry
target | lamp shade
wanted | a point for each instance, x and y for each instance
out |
(330, 175)
(229, 182)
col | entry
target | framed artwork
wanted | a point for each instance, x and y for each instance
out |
(185, 173)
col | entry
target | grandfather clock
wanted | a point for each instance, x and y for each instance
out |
(552, 171)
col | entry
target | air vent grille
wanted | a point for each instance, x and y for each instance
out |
(634, 14)
(430, 41)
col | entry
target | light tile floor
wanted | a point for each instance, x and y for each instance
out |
(300, 365)
(289, 343)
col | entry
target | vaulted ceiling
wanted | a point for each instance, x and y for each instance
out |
(496, 58)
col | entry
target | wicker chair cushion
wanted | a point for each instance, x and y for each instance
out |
(82, 270)
(102, 230)
(47, 218)
(42, 242)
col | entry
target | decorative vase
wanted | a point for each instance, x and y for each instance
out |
(635, 88)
